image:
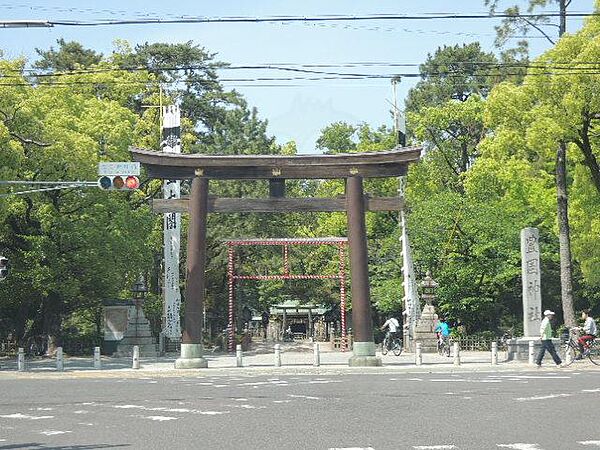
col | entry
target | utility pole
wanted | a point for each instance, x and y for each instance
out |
(564, 232)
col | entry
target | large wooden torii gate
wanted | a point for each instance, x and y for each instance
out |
(352, 167)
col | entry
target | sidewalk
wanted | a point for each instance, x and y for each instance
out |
(295, 359)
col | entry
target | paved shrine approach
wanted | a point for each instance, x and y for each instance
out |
(352, 167)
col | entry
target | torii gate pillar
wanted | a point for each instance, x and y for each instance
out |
(191, 342)
(363, 348)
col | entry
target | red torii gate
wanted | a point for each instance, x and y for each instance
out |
(340, 243)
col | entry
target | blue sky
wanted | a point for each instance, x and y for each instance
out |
(296, 110)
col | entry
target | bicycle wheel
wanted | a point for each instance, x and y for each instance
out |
(447, 349)
(440, 348)
(384, 346)
(397, 347)
(594, 354)
(570, 354)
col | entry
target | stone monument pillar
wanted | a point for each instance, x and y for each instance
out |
(532, 294)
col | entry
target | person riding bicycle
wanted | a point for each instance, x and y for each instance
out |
(393, 326)
(589, 330)
(442, 330)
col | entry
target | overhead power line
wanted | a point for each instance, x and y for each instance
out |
(316, 18)
(580, 66)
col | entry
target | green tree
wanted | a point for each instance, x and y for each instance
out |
(69, 56)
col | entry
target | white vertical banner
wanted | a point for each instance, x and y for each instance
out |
(412, 304)
(171, 143)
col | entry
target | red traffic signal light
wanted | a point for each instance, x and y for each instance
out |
(119, 182)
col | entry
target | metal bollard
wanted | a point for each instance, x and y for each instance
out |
(531, 357)
(418, 355)
(21, 360)
(136, 357)
(60, 362)
(238, 356)
(317, 355)
(456, 350)
(494, 353)
(97, 361)
(277, 355)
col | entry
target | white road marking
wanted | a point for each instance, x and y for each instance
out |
(536, 377)
(590, 390)
(54, 432)
(596, 443)
(159, 418)
(248, 406)
(541, 397)
(308, 397)
(434, 447)
(445, 380)
(24, 416)
(81, 411)
(43, 409)
(415, 379)
(520, 446)
(351, 448)
(281, 401)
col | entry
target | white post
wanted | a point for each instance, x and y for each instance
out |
(494, 353)
(238, 355)
(418, 356)
(277, 355)
(136, 357)
(531, 357)
(60, 364)
(456, 349)
(317, 355)
(97, 361)
(21, 360)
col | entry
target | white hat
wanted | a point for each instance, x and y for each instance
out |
(548, 313)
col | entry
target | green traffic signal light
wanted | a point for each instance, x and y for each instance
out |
(105, 182)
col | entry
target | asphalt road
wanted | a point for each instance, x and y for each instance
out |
(549, 410)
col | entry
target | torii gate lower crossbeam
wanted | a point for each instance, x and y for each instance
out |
(340, 243)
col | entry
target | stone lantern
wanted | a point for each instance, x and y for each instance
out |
(138, 328)
(427, 322)
(428, 288)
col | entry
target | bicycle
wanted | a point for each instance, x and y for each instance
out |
(443, 346)
(394, 344)
(591, 349)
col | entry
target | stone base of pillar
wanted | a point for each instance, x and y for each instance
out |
(518, 348)
(364, 355)
(191, 357)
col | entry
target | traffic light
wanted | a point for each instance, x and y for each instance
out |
(119, 182)
(3, 267)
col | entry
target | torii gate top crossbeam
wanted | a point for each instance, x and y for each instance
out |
(175, 166)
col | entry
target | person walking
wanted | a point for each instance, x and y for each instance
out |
(546, 338)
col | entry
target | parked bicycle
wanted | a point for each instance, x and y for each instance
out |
(591, 349)
(391, 343)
